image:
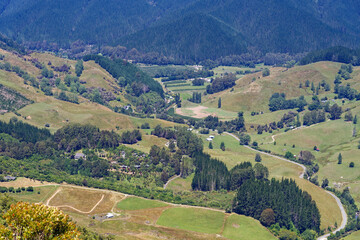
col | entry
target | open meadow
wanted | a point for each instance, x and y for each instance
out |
(138, 218)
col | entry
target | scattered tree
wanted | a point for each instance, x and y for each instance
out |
(244, 139)
(335, 112)
(339, 158)
(222, 146)
(325, 183)
(79, 68)
(266, 72)
(258, 158)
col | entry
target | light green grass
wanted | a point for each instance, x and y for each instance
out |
(353, 236)
(35, 197)
(134, 203)
(180, 184)
(242, 227)
(192, 219)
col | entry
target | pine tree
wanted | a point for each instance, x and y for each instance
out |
(339, 158)
(79, 68)
(355, 120)
(210, 145)
(258, 158)
(219, 103)
(312, 87)
(298, 123)
(222, 146)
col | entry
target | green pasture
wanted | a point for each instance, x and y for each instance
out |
(242, 227)
(135, 203)
(192, 219)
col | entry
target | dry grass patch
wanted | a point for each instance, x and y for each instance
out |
(329, 210)
(24, 182)
(83, 200)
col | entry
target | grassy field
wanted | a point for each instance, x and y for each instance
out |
(181, 184)
(147, 141)
(242, 227)
(250, 95)
(353, 236)
(221, 70)
(84, 200)
(40, 194)
(134, 203)
(192, 219)
(137, 218)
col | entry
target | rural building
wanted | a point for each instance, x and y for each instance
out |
(209, 139)
(109, 215)
(10, 178)
(79, 155)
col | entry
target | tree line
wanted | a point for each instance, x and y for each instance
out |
(278, 101)
(219, 84)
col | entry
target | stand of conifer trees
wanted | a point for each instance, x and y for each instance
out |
(289, 203)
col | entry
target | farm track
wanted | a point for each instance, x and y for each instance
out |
(171, 179)
(67, 206)
(342, 209)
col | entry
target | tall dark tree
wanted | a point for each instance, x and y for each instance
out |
(79, 68)
(339, 158)
(335, 112)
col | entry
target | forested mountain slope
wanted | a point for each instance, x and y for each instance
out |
(269, 26)
(194, 37)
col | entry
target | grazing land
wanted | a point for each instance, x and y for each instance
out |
(242, 227)
(140, 218)
(198, 220)
(134, 203)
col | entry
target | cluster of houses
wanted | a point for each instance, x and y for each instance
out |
(125, 167)
(9, 178)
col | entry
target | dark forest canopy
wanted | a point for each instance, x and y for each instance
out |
(278, 101)
(212, 174)
(335, 54)
(23, 131)
(23, 140)
(288, 202)
(165, 26)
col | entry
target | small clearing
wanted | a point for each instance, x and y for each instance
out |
(24, 182)
(199, 111)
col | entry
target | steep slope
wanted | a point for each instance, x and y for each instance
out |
(270, 26)
(49, 110)
(278, 25)
(195, 37)
(92, 21)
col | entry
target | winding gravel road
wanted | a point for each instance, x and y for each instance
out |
(342, 209)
